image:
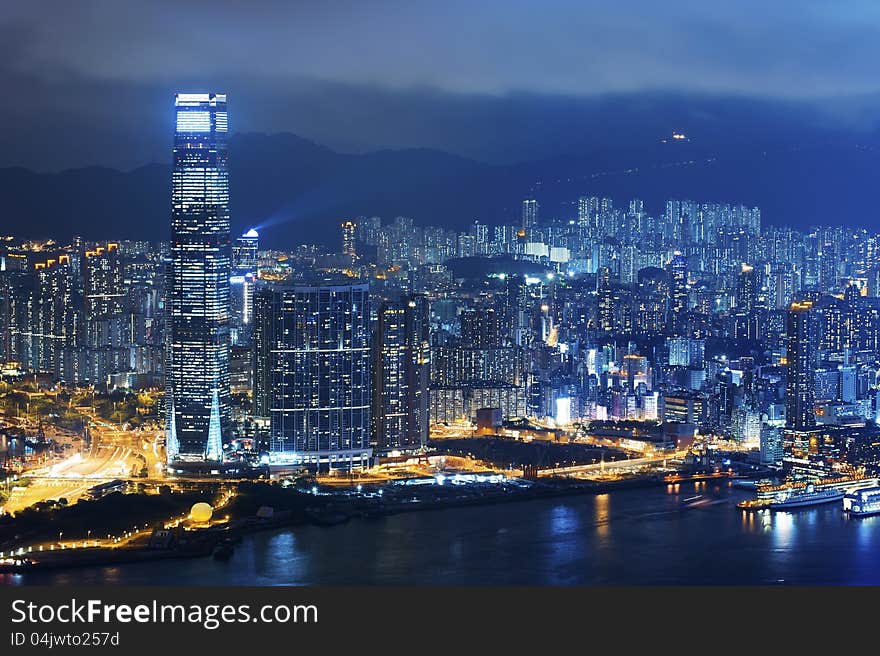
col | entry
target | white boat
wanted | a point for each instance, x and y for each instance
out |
(862, 503)
(809, 497)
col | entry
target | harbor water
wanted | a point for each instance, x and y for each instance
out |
(690, 533)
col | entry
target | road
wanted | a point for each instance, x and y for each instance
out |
(612, 467)
(115, 453)
(70, 478)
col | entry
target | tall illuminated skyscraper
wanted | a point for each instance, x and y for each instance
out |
(678, 294)
(349, 229)
(800, 393)
(746, 289)
(197, 371)
(801, 449)
(245, 249)
(401, 374)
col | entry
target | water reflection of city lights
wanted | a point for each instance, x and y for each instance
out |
(563, 519)
(602, 515)
(782, 525)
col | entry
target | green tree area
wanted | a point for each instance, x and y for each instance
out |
(27, 401)
(66, 408)
(126, 407)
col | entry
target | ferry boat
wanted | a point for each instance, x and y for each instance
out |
(809, 497)
(691, 501)
(862, 503)
(794, 494)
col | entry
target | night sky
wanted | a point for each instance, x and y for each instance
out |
(91, 82)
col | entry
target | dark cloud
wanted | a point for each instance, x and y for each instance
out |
(90, 82)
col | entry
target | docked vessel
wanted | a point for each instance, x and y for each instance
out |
(809, 497)
(792, 495)
(862, 503)
(751, 484)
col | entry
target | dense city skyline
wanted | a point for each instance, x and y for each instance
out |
(624, 277)
(604, 316)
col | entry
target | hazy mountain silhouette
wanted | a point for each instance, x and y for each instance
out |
(294, 190)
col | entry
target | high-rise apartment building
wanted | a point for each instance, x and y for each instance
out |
(401, 361)
(678, 294)
(801, 366)
(530, 210)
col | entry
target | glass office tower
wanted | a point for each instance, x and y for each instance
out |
(197, 372)
(312, 378)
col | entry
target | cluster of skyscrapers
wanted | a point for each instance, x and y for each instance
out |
(317, 398)
(83, 314)
(654, 328)
(694, 321)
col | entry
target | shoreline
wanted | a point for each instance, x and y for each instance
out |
(205, 541)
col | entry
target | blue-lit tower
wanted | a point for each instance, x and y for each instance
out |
(197, 371)
(242, 282)
(677, 302)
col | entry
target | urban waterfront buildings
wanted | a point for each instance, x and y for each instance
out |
(312, 373)
(695, 322)
(197, 293)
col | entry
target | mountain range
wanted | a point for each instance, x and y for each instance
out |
(294, 190)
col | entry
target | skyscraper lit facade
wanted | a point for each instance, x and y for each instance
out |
(678, 294)
(241, 282)
(245, 249)
(800, 358)
(349, 230)
(746, 289)
(802, 453)
(198, 296)
(401, 361)
(530, 209)
(312, 378)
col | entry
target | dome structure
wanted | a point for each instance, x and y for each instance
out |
(201, 512)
